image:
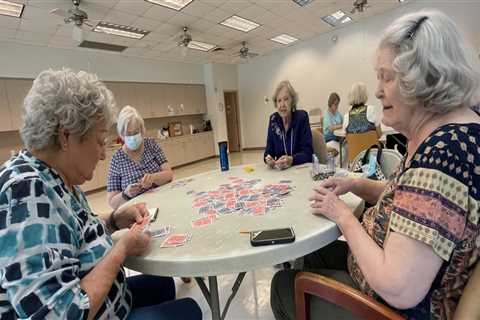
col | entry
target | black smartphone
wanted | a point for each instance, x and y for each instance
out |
(272, 236)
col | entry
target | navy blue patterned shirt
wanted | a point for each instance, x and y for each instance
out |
(49, 240)
(123, 171)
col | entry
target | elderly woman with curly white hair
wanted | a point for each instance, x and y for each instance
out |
(416, 249)
(139, 165)
(57, 259)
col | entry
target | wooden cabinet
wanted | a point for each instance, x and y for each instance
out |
(124, 94)
(16, 90)
(6, 115)
(158, 99)
(143, 95)
(195, 99)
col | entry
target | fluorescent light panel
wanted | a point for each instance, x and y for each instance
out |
(337, 18)
(302, 3)
(202, 46)
(11, 9)
(119, 30)
(172, 4)
(284, 39)
(240, 23)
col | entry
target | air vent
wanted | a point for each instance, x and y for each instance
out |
(101, 46)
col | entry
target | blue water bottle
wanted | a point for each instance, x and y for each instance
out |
(222, 149)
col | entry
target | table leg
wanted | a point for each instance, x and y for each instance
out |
(212, 295)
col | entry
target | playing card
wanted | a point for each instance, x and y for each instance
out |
(176, 240)
(161, 232)
(205, 221)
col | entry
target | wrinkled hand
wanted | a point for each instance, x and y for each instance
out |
(270, 161)
(147, 180)
(327, 203)
(338, 185)
(284, 162)
(128, 216)
(135, 241)
(133, 189)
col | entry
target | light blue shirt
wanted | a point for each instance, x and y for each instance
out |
(329, 120)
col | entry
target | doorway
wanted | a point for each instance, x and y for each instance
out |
(231, 111)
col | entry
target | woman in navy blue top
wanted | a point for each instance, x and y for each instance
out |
(289, 138)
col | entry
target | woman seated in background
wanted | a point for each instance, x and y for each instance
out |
(139, 165)
(289, 137)
(57, 258)
(417, 248)
(361, 118)
(332, 120)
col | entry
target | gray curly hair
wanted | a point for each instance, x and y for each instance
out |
(433, 64)
(64, 99)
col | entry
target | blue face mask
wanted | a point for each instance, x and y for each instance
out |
(133, 142)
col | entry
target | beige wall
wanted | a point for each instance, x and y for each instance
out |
(319, 66)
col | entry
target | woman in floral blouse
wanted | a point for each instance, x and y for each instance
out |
(416, 249)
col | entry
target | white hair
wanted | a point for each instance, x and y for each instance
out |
(432, 62)
(64, 99)
(126, 116)
(358, 94)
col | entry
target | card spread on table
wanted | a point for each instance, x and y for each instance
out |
(204, 221)
(176, 240)
(161, 232)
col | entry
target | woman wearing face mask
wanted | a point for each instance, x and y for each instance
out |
(139, 165)
(289, 139)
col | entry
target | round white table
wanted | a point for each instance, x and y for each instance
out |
(220, 248)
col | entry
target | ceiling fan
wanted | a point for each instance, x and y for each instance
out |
(244, 52)
(76, 16)
(184, 38)
(359, 6)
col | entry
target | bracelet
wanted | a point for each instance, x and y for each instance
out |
(111, 222)
(126, 196)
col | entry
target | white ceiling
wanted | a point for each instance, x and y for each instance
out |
(40, 28)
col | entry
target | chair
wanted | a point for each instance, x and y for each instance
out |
(389, 162)
(319, 146)
(361, 305)
(357, 142)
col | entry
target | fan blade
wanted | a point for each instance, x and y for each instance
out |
(252, 54)
(89, 23)
(60, 12)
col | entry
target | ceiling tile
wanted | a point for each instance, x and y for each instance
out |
(159, 13)
(119, 17)
(136, 7)
(198, 9)
(234, 6)
(252, 12)
(202, 25)
(32, 38)
(49, 4)
(182, 19)
(9, 22)
(37, 26)
(217, 15)
(146, 23)
(103, 3)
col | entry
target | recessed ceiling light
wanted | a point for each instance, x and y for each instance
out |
(240, 23)
(337, 18)
(202, 46)
(119, 30)
(11, 9)
(302, 3)
(172, 4)
(284, 39)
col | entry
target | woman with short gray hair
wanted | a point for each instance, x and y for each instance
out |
(57, 258)
(139, 165)
(416, 249)
(362, 117)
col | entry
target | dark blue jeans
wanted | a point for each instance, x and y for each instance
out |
(154, 298)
